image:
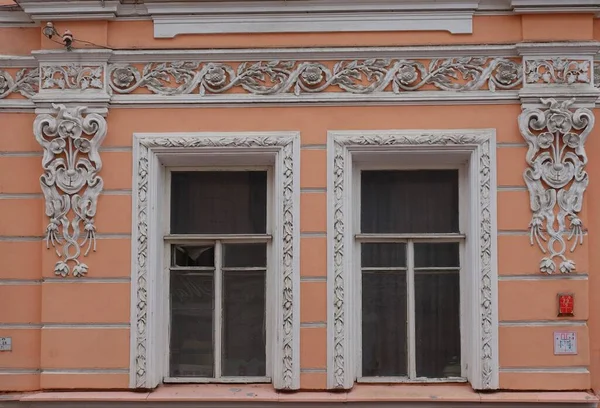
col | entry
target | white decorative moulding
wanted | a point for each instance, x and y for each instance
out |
(147, 351)
(556, 178)
(276, 77)
(558, 71)
(72, 76)
(482, 298)
(25, 82)
(71, 182)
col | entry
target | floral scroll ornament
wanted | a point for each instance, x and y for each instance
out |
(304, 77)
(556, 176)
(70, 182)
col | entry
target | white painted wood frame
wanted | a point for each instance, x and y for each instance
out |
(424, 149)
(152, 154)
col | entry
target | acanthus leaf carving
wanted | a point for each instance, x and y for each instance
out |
(25, 82)
(291, 77)
(70, 182)
(72, 76)
(557, 71)
(556, 178)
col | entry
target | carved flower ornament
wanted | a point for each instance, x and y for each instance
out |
(70, 182)
(407, 74)
(556, 178)
(123, 77)
(312, 75)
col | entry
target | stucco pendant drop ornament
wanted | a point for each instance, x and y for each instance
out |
(70, 182)
(556, 178)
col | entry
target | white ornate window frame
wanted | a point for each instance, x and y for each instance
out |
(152, 153)
(477, 148)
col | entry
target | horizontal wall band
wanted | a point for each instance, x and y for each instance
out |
(555, 370)
(313, 325)
(125, 279)
(313, 278)
(313, 189)
(542, 323)
(310, 234)
(313, 147)
(313, 370)
(13, 371)
(30, 238)
(543, 277)
(29, 196)
(6, 326)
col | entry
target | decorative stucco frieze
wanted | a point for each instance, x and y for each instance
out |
(483, 298)
(70, 182)
(72, 76)
(557, 71)
(276, 77)
(556, 178)
(285, 243)
(25, 82)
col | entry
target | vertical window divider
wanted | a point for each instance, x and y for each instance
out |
(218, 309)
(410, 278)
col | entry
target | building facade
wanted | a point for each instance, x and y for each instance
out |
(309, 202)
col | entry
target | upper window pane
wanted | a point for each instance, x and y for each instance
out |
(404, 202)
(218, 202)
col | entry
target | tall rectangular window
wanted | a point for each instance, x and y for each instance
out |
(410, 245)
(218, 241)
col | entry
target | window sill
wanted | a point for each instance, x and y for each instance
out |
(215, 393)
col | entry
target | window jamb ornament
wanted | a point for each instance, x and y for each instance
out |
(284, 146)
(483, 364)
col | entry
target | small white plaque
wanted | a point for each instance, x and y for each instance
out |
(5, 343)
(565, 342)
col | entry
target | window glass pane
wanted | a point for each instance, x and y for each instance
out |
(422, 201)
(244, 255)
(437, 324)
(384, 324)
(437, 255)
(218, 202)
(244, 347)
(191, 346)
(376, 255)
(193, 255)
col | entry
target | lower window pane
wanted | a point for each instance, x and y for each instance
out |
(384, 324)
(192, 302)
(437, 324)
(244, 348)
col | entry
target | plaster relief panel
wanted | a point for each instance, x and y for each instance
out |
(72, 77)
(24, 81)
(70, 182)
(277, 77)
(561, 71)
(556, 178)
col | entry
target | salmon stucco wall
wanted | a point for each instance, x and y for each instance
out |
(86, 321)
(74, 333)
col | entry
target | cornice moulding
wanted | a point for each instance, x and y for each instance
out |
(70, 10)
(317, 54)
(453, 22)
(75, 56)
(17, 61)
(200, 7)
(558, 48)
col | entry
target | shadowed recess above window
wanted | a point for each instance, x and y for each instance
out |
(403, 202)
(218, 202)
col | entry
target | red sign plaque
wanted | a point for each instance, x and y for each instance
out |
(566, 304)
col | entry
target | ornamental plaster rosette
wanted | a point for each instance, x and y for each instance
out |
(70, 182)
(556, 178)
